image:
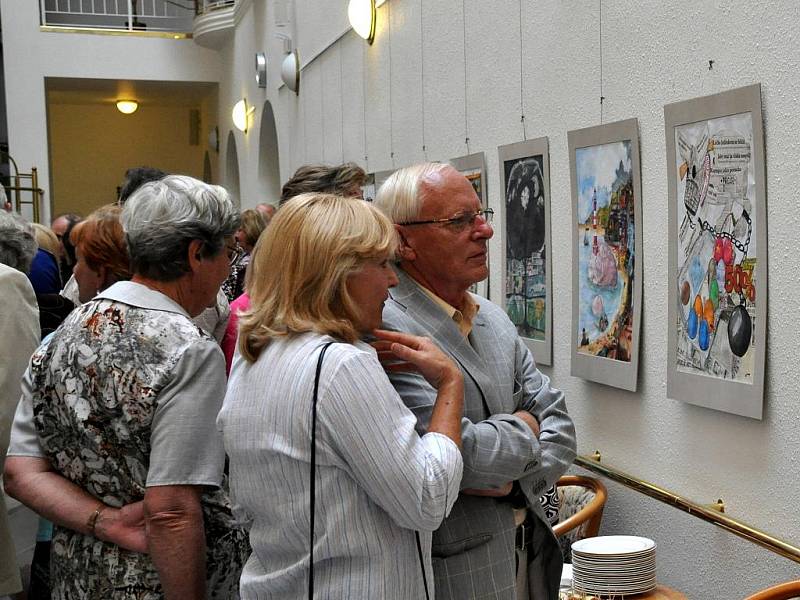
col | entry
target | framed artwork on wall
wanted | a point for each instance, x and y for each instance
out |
(473, 167)
(607, 253)
(717, 251)
(374, 182)
(527, 289)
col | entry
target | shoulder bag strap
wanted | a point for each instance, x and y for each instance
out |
(312, 486)
(313, 470)
(422, 567)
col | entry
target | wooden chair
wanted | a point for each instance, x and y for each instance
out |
(581, 501)
(782, 591)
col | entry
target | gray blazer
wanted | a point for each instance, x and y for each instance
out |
(473, 550)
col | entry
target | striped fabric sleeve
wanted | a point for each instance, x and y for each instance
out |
(414, 480)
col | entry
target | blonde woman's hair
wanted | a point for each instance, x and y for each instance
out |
(299, 267)
(46, 238)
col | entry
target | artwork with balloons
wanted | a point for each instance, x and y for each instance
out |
(717, 263)
(607, 255)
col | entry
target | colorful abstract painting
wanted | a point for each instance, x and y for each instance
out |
(717, 265)
(607, 265)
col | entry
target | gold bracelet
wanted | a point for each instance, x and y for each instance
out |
(92, 522)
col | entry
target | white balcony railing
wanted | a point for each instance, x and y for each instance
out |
(125, 15)
(206, 6)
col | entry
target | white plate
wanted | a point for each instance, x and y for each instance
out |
(605, 545)
(615, 591)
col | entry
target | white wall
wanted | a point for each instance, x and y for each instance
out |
(654, 53)
(30, 55)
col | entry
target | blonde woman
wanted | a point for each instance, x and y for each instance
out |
(44, 274)
(375, 480)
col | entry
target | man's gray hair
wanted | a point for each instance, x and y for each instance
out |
(162, 218)
(17, 242)
(400, 197)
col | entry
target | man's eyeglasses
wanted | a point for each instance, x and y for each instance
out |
(461, 222)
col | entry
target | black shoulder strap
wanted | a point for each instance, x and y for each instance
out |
(313, 470)
(312, 486)
(422, 567)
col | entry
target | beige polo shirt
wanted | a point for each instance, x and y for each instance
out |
(463, 319)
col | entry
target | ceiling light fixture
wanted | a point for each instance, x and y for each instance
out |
(127, 107)
(241, 115)
(363, 16)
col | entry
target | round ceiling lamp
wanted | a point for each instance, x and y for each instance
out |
(127, 107)
(363, 15)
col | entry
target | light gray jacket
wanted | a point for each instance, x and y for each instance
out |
(473, 550)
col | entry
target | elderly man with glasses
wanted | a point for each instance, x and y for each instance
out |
(517, 436)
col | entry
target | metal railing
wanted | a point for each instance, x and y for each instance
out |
(712, 514)
(123, 15)
(202, 7)
(21, 195)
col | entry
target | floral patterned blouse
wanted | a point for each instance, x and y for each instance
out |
(124, 395)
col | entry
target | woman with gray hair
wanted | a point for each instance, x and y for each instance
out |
(18, 243)
(114, 439)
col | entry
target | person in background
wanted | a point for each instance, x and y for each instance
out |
(130, 470)
(267, 211)
(102, 259)
(44, 274)
(342, 180)
(518, 437)
(376, 479)
(136, 177)
(102, 255)
(19, 336)
(246, 237)
(62, 226)
(19, 332)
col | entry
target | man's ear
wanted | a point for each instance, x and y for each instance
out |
(194, 255)
(404, 250)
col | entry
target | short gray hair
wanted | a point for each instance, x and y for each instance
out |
(17, 242)
(163, 217)
(400, 197)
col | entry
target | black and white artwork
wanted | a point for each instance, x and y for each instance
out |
(526, 231)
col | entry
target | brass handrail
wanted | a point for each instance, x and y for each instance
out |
(714, 515)
(16, 186)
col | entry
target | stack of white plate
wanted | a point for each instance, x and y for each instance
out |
(614, 564)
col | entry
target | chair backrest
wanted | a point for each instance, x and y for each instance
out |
(581, 503)
(782, 591)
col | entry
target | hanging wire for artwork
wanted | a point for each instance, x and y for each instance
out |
(466, 112)
(602, 98)
(322, 107)
(341, 99)
(422, 77)
(364, 101)
(521, 89)
(391, 125)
